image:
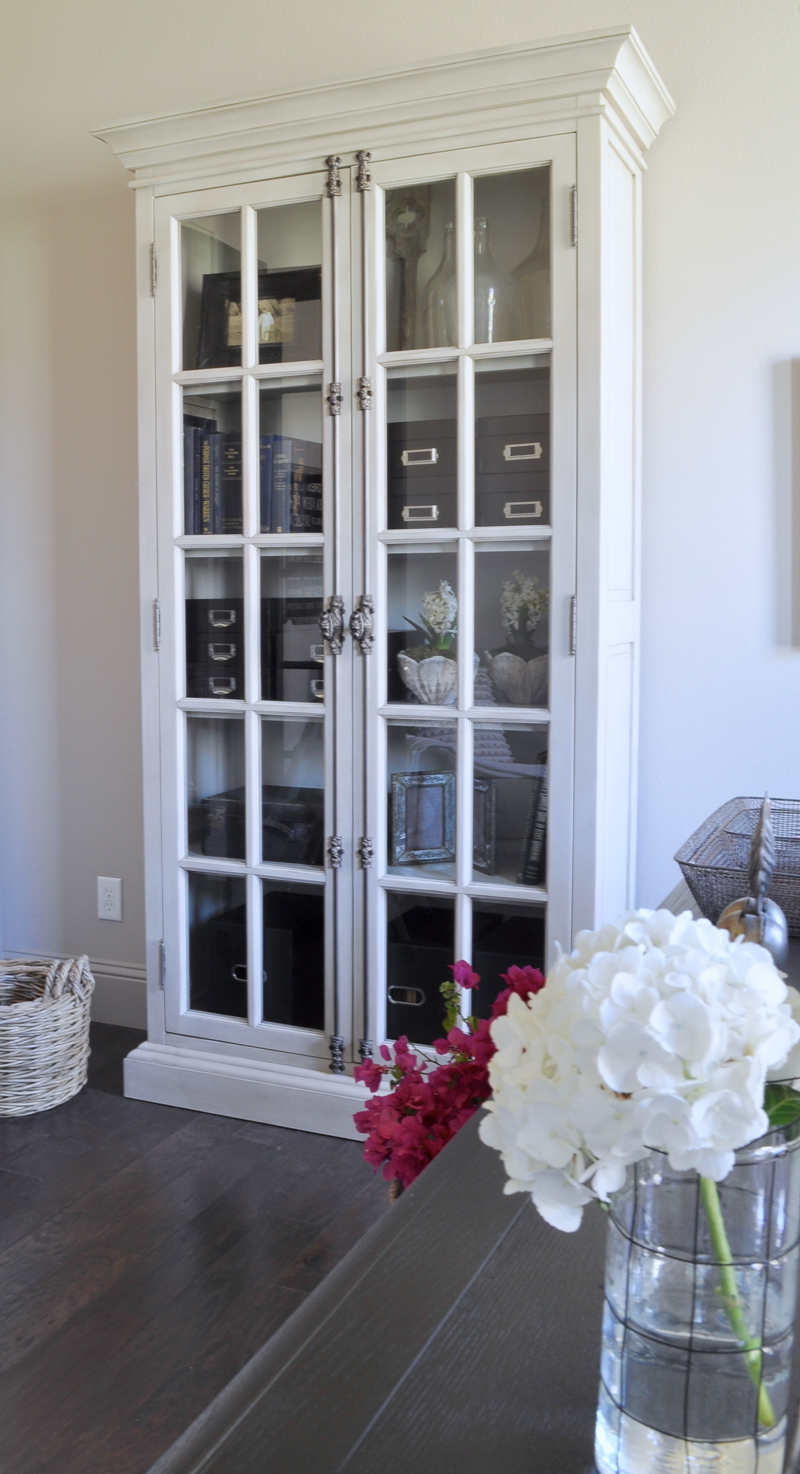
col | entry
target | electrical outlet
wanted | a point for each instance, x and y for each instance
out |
(109, 898)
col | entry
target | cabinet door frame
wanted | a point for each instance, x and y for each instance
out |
(558, 150)
(169, 209)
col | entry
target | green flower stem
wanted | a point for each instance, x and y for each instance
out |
(729, 1294)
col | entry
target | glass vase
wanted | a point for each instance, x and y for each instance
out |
(494, 292)
(440, 302)
(700, 1292)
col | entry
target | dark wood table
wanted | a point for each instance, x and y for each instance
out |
(461, 1335)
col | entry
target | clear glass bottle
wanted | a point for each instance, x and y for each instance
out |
(701, 1287)
(532, 283)
(494, 292)
(440, 302)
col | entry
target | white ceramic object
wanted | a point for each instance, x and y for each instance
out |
(433, 680)
(522, 682)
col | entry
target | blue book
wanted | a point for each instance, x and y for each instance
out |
(281, 482)
(265, 482)
(216, 482)
(190, 524)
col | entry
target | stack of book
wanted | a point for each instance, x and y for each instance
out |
(291, 484)
(290, 481)
(212, 477)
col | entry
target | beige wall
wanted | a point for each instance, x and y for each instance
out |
(720, 682)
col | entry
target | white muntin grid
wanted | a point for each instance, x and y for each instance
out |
(249, 546)
(465, 541)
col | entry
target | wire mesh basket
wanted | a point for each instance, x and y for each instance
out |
(714, 859)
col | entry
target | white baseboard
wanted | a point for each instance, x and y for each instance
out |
(120, 994)
(278, 1095)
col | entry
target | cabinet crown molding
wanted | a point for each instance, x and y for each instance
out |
(503, 92)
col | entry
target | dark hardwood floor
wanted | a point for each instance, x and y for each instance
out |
(145, 1254)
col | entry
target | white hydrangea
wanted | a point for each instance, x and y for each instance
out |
(659, 1033)
(440, 608)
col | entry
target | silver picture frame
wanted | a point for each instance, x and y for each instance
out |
(423, 818)
(484, 825)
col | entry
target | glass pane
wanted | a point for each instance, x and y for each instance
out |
(419, 953)
(512, 256)
(212, 459)
(218, 944)
(421, 289)
(211, 272)
(289, 326)
(293, 781)
(292, 652)
(422, 620)
(294, 954)
(512, 442)
(421, 447)
(215, 786)
(214, 625)
(510, 806)
(421, 763)
(290, 455)
(502, 937)
(512, 625)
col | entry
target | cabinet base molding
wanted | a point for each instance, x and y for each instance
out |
(277, 1095)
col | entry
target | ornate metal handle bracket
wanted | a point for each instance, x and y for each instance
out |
(366, 851)
(334, 397)
(331, 623)
(336, 1046)
(364, 392)
(363, 175)
(361, 626)
(336, 851)
(333, 185)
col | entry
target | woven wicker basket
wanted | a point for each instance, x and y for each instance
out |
(714, 859)
(44, 1033)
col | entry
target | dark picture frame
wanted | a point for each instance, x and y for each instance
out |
(484, 824)
(294, 310)
(423, 818)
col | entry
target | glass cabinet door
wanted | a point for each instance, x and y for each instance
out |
(470, 724)
(250, 537)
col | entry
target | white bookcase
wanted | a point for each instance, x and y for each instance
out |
(389, 367)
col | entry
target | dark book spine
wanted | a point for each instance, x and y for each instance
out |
(307, 505)
(231, 458)
(216, 483)
(281, 482)
(535, 868)
(205, 483)
(189, 435)
(265, 482)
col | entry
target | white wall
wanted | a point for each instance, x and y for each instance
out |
(720, 681)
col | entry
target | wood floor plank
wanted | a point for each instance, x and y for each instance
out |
(145, 1254)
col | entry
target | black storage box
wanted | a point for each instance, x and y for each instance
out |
(417, 965)
(422, 473)
(215, 647)
(512, 470)
(292, 820)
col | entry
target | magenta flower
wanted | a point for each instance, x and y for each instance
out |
(430, 1102)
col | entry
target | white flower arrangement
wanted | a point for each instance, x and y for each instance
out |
(660, 1033)
(522, 604)
(440, 608)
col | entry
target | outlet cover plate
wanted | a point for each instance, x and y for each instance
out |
(109, 898)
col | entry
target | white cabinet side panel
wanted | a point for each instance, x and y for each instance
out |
(615, 797)
(619, 395)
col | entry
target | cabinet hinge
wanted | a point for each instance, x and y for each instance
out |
(573, 624)
(363, 175)
(162, 964)
(156, 624)
(153, 269)
(574, 215)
